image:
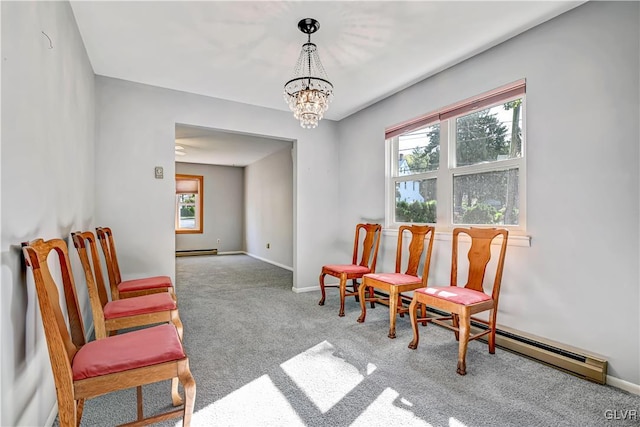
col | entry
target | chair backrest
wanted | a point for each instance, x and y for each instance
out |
(370, 245)
(105, 236)
(479, 255)
(62, 343)
(416, 249)
(94, 278)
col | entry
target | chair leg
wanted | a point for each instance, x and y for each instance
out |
(79, 409)
(363, 302)
(176, 399)
(189, 386)
(322, 289)
(393, 311)
(455, 321)
(465, 325)
(175, 319)
(400, 305)
(139, 401)
(172, 292)
(343, 291)
(372, 295)
(354, 282)
(67, 409)
(423, 311)
(413, 311)
(492, 334)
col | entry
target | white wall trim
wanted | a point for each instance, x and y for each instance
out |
(307, 289)
(233, 253)
(446, 235)
(623, 385)
(269, 261)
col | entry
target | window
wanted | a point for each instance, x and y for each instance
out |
(460, 165)
(189, 195)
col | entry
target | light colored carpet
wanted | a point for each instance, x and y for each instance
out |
(263, 355)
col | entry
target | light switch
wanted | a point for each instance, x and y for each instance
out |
(159, 172)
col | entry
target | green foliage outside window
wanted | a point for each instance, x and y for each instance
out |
(187, 211)
(481, 198)
(422, 212)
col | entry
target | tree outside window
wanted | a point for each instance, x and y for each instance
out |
(463, 165)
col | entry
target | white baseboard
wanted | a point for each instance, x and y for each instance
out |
(286, 267)
(623, 385)
(307, 289)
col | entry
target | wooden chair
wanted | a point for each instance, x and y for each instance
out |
(82, 370)
(394, 284)
(463, 302)
(355, 270)
(128, 288)
(111, 316)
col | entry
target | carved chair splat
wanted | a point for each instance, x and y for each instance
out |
(464, 301)
(394, 284)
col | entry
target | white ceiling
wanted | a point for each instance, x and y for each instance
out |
(209, 146)
(245, 51)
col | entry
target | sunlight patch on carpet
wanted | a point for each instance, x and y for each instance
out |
(324, 377)
(455, 423)
(389, 409)
(259, 403)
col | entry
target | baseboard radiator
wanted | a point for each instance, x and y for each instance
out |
(194, 252)
(565, 358)
(570, 360)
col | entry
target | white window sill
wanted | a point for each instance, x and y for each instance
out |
(446, 235)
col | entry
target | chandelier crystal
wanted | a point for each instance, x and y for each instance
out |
(309, 92)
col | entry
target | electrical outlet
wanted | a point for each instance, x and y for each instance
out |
(268, 245)
(218, 240)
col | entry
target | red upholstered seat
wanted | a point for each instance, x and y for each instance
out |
(132, 350)
(152, 303)
(145, 284)
(395, 278)
(455, 294)
(347, 268)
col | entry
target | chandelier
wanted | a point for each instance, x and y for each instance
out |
(309, 92)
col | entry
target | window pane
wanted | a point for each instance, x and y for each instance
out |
(486, 198)
(489, 135)
(186, 198)
(419, 151)
(187, 211)
(416, 201)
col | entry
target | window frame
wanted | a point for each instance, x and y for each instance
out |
(447, 169)
(199, 205)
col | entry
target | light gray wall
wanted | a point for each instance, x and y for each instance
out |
(47, 177)
(578, 282)
(269, 208)
(136, 132)
(223, 208)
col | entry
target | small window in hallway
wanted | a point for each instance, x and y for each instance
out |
(189, 203)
